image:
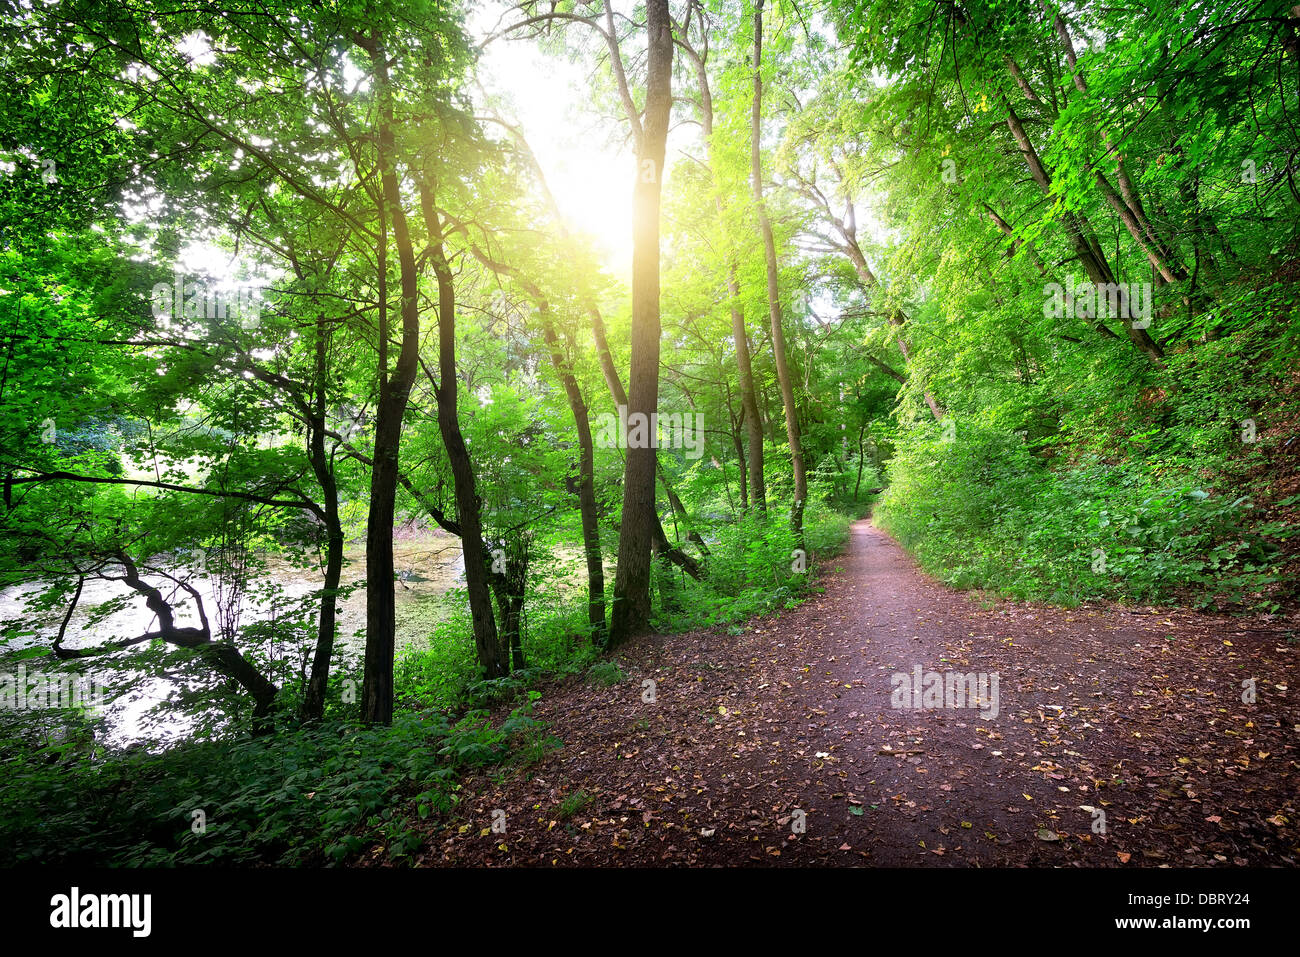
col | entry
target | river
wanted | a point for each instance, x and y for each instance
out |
(427, 564)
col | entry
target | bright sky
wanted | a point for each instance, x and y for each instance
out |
(590, 177)
(590, 174)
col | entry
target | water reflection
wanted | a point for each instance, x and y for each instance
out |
(143, 706)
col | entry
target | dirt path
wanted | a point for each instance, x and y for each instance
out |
(1136, 713)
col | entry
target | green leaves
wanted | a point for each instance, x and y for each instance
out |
(1088, 530)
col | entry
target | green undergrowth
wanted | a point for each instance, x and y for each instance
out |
(1128, 482)
(750, 571)
(985, 512)
(299, 796)
(323, 794)
(753, 569)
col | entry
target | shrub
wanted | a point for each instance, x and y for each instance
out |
(982, 511)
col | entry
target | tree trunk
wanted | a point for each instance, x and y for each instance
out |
(773, 293)
(223, 657)
(674, 554)
(477, 564)
(631, 609)
(897, 319)
(510, 589)
(586, 484)
(604, 355)
(748, 402)
(313, 706)
(394, 392)
(1128, 206)
(740, 457)
(585, 487)
(679, 509)
(1090, 257)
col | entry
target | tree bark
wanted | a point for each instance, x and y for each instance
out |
(847, 228)
(224, 657)
(1090, 257)
(748, 401)
(585, 487)
(604, 355)
(1127, 203)
(740, 458)
(586, 484)
(631, 607)
(313, 706)
(477, 564)
(773, 293)
(394, 393)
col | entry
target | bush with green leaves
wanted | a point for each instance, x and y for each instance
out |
(983, 511)
(753, 568)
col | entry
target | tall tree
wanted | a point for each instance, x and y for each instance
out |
(697, 52)
(773, 291)
(631, 606)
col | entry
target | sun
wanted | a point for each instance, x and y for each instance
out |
(590, 177)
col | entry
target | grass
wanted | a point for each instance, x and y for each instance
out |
(572, 804)
(604, 674)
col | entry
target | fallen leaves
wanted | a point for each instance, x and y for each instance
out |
(1163, 759)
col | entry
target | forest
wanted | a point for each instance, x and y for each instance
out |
(602, 432)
